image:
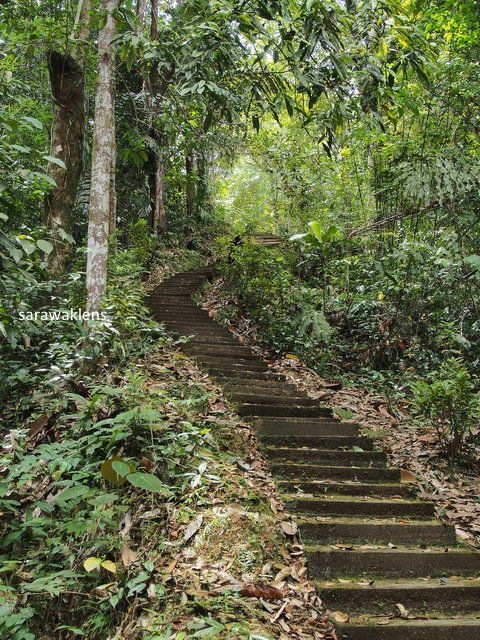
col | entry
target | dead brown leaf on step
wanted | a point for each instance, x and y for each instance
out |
(128, 555)
(289, 528)
(340, 617)
(404, 613)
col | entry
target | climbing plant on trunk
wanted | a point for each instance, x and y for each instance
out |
(67, 82)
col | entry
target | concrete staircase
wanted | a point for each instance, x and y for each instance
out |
(371, 544)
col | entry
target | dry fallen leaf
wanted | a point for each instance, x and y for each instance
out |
(192, 528)
(289, 528)
(128, 555)
(341, 617)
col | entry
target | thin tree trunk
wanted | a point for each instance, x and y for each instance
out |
(190, 184)
(203, 203)
(157, 217)
(100, 210)
(157, 212)
(67, 82)
(112, 213)
(141, 11)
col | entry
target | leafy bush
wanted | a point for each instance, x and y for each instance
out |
(41, 352)
(448, 398)
(288, 312)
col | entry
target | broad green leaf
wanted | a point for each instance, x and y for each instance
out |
(149, 482)
(316, 230)
(56, 161)
(121, 468)
(109, 473)
(36, 123)
(45, 246)
(72, 493)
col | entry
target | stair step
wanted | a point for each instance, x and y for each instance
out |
(274, 388)
(397, 531)
(231, 363)
(418, 596)
(360, 506)
(319, 488)
(327, 456)
(324, 563)
(284, 411)
(222, 350)
(323, 472)
(299, 427)
(233, 373)
(317, 442)
(280, 400)
(440, 629)
(176, 301)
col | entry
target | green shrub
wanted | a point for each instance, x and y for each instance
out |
(448, 398)
(289, 313)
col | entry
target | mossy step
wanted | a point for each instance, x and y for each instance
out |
(167, 298)
(197, 329)
(223, 373)
(230, 362)
(256, 396)
(273, 387)
(420, 597)
(214, 339)
(221, 350)
(317, 442)
(299, 427)
(403, 562)
(328, 456)
(324, 472)
(302, 488)
(360, 506)
(380, 629)
(284, 411)
(357, 530)
(174, 311)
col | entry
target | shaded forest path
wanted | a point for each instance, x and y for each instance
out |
(374, 550)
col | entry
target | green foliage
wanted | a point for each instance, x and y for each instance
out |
(447, 397)
(288, 312)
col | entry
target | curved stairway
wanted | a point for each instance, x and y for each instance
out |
(374, 550)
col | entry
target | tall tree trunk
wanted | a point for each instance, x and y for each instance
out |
(103, 146)
(68, 127)
(203, 203)
(190, 184)
(112, 213)
(157, 186)
(67, 82)
(157, 217)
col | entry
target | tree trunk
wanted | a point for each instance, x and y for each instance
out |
(67, 136)
(190, 185)
(100, 210)
(67, 82)
(203, 204)
(157, 216)
(157, 187)
(112, 213)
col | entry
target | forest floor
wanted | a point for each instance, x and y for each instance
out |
(454, 490)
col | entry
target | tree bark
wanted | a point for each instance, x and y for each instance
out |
(190, 184)
(67, 82)
(157, 216)
(67, 136)
(203, 204)
(157, 187)
(100, 210)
